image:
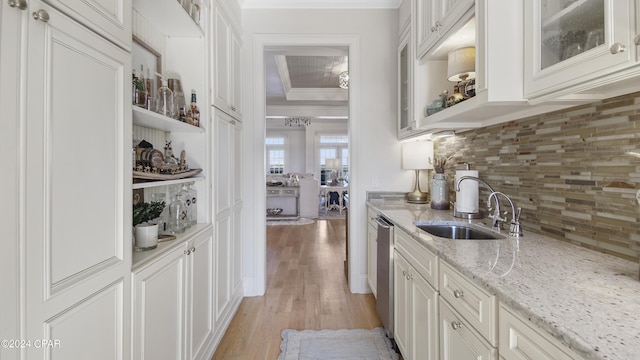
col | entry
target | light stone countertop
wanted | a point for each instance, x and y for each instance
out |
(588, 300)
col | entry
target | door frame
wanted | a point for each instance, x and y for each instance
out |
(254, 252)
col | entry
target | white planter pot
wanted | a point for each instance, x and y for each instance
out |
(146, 236)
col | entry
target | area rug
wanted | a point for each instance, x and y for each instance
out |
(301, 221)
(336, 345)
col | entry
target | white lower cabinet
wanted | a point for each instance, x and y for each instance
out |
(458, 339)
(416, 312)
(173, 303)
(521, 341)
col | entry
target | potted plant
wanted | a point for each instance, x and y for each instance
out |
(146, 230)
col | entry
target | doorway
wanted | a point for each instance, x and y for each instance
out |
(255, 240)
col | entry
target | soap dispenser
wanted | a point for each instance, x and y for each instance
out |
(164, 103)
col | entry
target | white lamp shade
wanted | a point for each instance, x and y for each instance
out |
(335, 164)
(461, 61)
(417, 155)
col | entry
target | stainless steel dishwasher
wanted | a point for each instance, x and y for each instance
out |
(384, 277)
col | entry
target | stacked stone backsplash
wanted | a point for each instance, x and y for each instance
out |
(569, 171)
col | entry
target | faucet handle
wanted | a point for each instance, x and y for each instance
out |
(516, 216)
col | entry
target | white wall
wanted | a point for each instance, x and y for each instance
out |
(375, 152)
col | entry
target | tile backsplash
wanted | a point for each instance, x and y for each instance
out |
(569, 171)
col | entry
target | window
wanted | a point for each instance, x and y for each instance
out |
(275, 154)
(333, 146)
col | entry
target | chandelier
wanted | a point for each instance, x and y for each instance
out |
(297, 121)
(343, 79)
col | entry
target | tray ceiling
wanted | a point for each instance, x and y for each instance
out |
(319, 4)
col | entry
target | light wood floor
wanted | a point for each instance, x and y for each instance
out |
(306, 289)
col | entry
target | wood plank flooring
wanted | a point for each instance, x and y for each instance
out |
(306, 289)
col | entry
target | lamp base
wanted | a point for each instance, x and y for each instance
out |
(417, 197)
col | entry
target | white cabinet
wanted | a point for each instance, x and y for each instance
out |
(406, 120)
(459, 340)
(415, 299)
(372, 251)
(109, 18)
(577, 45)
(227, 210)
(437, 19)
(227, 62)
(75, 187)
(173, 302)
(519, 340)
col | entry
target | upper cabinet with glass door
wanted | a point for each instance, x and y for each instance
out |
(436, 20)
(573, 45)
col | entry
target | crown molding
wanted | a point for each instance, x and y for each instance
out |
(319, 4)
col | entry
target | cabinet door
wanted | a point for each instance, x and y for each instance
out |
(11, 60)
(223, 134)
(200, 262)
(401, 305)
(222, 95)
(372, 257)
(236, 83)
(569, 43)
(78, 231)
(458, 340)
(158, 312)
(110, 18)
(436, 19)
(405, 81)
(424, 319)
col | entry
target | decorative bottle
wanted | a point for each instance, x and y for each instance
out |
(194, 111)
(164, 103)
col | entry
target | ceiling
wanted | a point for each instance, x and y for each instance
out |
(303, 81)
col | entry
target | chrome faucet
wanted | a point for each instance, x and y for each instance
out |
(467, 177)
(514, 226)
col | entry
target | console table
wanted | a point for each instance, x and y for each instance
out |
(285, 197)
(341, 190)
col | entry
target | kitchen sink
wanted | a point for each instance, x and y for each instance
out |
(457, 231)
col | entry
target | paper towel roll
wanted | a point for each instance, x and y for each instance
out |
(467, 197)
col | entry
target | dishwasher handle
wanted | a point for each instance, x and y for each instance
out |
(383, 223)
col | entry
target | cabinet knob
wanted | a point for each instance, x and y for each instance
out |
(456, 325)
(617, 48)
(458, 293)
(187, 252)
(193, 249)
(20, 4)
(41, 15)
(637, 39)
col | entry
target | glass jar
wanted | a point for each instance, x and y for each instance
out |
(439, 192)
(192, 194)
(178, 214)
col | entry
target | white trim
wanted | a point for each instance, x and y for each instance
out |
(320, 112)
(319, 4)
(317, 94)
(255, 239)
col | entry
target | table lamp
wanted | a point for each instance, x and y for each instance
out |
(461, 67)
(335, 165)
(417, 155)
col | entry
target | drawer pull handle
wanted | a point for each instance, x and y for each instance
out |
(456, 325)
(458, 293)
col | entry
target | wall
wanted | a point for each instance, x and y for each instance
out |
(568, 170)
(373, 138)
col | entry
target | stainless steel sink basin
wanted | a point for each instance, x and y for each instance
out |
(457, 232)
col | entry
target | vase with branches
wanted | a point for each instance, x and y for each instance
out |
(439, 185)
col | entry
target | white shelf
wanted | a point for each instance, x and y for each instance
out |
(169, 17)
(150, 184)
(150, 119)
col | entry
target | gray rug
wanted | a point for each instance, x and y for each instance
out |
(336, 345)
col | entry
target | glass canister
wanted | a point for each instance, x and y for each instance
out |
(178, 214)
(192, 193)
(439, 192)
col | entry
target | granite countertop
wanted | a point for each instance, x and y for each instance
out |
(588, 300)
